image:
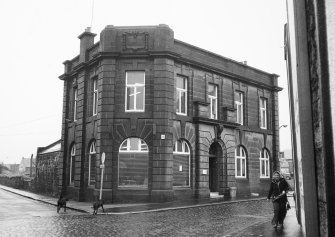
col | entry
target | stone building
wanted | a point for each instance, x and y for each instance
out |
(175, 121)
(47, 160)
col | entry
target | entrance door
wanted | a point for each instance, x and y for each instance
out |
(213, 174)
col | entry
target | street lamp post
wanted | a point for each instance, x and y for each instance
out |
(102, 166)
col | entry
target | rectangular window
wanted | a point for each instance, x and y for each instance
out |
(263, 112)
(239, 107)
(181, 95)
(135, 91)
(75, 102)
(95, 96)
(213, 99)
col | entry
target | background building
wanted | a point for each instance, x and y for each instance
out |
(47, 168)
(175, 121)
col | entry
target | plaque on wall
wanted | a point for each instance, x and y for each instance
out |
(135, 41)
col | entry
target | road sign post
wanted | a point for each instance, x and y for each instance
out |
(102, 166)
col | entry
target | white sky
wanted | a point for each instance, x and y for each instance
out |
(37, 36)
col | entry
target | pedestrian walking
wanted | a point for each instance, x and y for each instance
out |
(278, 190)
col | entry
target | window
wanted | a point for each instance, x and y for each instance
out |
(72, 163)
(181, 95)
(181, 164)
(264, 164)
(95, 96)
(135, 91)
(240, 162)
(263, 111)
(91, 164)
(213, 99)
(75, 102)
(239, 107)
(133, 163)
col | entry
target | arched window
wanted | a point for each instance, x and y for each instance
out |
(133, 163)
(91, 164)
(240, 162)
(72, 163)
(264, 164)
(181, 164)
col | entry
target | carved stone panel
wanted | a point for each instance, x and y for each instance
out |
(135, 41)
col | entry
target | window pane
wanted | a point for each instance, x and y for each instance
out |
(124, 145)
(180, 83)
(139, 98)
(130, 98)
(92, 170)
(178, 101)
(238, 169)
(211, 90)
(262, 167)
(179, 146)
(135, 78)
(183, 102)
(186, 147)
(243, 167)
(134, 144)
(133, 169)
(181, 170)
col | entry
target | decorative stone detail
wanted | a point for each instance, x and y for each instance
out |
(135, 41)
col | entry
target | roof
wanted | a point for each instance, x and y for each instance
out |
(54, 147)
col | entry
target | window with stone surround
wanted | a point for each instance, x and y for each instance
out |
(133, 163)
(91, 164)
(264, 164)
(263, 113)
(95, 96)
(239, 107)
(135, 91)
(72, 164)
(212, 92)
(75, 103)
(181, 95)
(240, 162)
(181, 164)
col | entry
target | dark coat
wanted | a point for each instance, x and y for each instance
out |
(277, 187)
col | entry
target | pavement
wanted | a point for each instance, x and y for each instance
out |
(261, 228)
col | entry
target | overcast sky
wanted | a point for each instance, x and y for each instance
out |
(37, 36)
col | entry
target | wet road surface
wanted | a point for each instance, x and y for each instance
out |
(20, 216)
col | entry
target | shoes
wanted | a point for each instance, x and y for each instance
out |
(275, 226)
(281, 226)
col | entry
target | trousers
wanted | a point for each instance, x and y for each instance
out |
(279, 213)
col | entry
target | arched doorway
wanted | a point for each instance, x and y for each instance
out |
(213, 168)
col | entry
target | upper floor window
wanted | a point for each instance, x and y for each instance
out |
(239, 107)
(240, 162)
(75, 102)
(181, 95)
(263, 112)
(264, 164)
(213, 99)
(95, 96)
(135, 91)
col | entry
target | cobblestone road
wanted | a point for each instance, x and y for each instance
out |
(216, 220)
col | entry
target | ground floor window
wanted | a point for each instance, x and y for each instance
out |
(91, 164)
(72, 164)
(181, 164)
(133, 163)
(264, 164)
(240, 162)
